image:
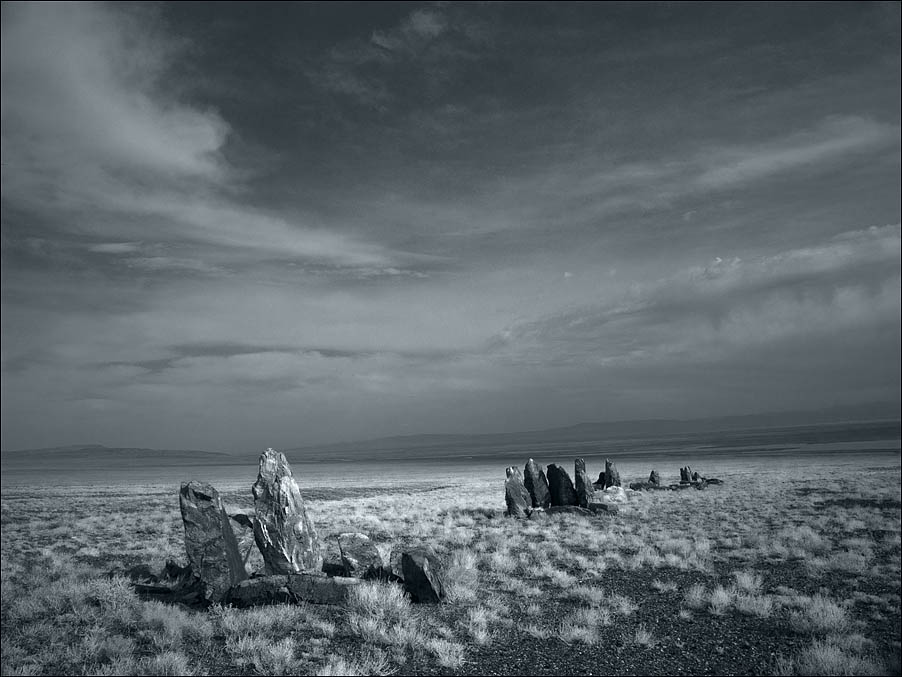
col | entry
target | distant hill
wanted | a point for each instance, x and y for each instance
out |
(95, 456)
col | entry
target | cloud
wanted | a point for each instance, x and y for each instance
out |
(95, 130)
(115, 247)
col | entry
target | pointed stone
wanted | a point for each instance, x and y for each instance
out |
(585, 492)
(611, 474)
(283, 532)
(423, 575)
(536, 484)
(560, 486)
(210, 543)
(516, 497)
(654, 478)
(685, 474)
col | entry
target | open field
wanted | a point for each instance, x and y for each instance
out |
(781, 570)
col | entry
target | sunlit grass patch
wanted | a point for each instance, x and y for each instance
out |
(820, 616)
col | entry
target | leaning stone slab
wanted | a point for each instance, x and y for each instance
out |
(585, 492)
(209, 541)
(536, 484)
(359, 556)
(516, 497)
(321, 589)
(283, 532)
(423, 575)
(560, 486)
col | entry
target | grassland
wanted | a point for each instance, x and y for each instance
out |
(767, 574)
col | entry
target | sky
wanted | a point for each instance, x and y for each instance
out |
(239, 225)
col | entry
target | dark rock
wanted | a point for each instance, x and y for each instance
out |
(685, 474)
(242, 518)
(537, 485)
(585, 492)
(209, 541)
(602, 507)
(318, 588)
(654, 478)
(516, 496)
(600, 479)
(332, 564)
(359, 556)
(283, 532)
(696, 477)
(262, 590)
(423, 575)
(538, 514)
(611, 474)
(560, 486)
(567, 510)
(714, 480)
(396, 571)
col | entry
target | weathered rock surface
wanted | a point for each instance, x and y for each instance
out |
(332, 564)
(516, 496)
(209, 541)
(602, 507)
(536, 484)
(560, 486)
(423, 575)
(611, 474)
(283, 532)
(262, 590)
(654, 478)
(394, 569)
(359, 556)
(585, 492)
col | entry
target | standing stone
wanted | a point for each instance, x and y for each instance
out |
(516, 497)
(283, 532)
(585, 492)
(209, 541)
(537, 485)
(560, 486)
(611, 474)
(359, 556)
(423, 575)
(685, 474)
(599, 483)
(654, 478)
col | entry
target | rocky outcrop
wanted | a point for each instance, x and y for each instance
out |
(585, 492)
(283, 532)
(423, 575)
(209, 541)
(611, 474)
(359, 556)
(516, 496)
(560, 486)
(536, 484)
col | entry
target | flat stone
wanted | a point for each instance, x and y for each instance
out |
(321, 589)
(262, 590)
(210, 543)
(283, 531)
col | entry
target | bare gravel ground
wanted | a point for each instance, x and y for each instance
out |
(769, 573)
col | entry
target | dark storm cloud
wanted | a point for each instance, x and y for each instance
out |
(337, 220)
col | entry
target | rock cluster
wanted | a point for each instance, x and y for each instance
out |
(688, 480)
(294, 568)
(553, 492)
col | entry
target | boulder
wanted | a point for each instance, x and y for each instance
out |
(395, 570)
(585, 492)
(332, 564)
(283, 532)
(516, 496)
(560, 486)
(211, 545)
(317, 588)
(614, 495)
(423, 575)
(359, 556)
(611, 474)
(696, 477)
(654, 478)
(536, 484)
(604, 508)
(714, 480)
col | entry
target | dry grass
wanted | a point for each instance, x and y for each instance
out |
(696, 557)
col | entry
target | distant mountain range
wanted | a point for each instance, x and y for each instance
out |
(800, 427)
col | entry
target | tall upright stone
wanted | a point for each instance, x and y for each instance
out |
(516, 497)
(585, 492)
(283, 532)
(560, 486)
(209, 541)
(536, 484)
(654, 478)
(685, 474)
(611, 474)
